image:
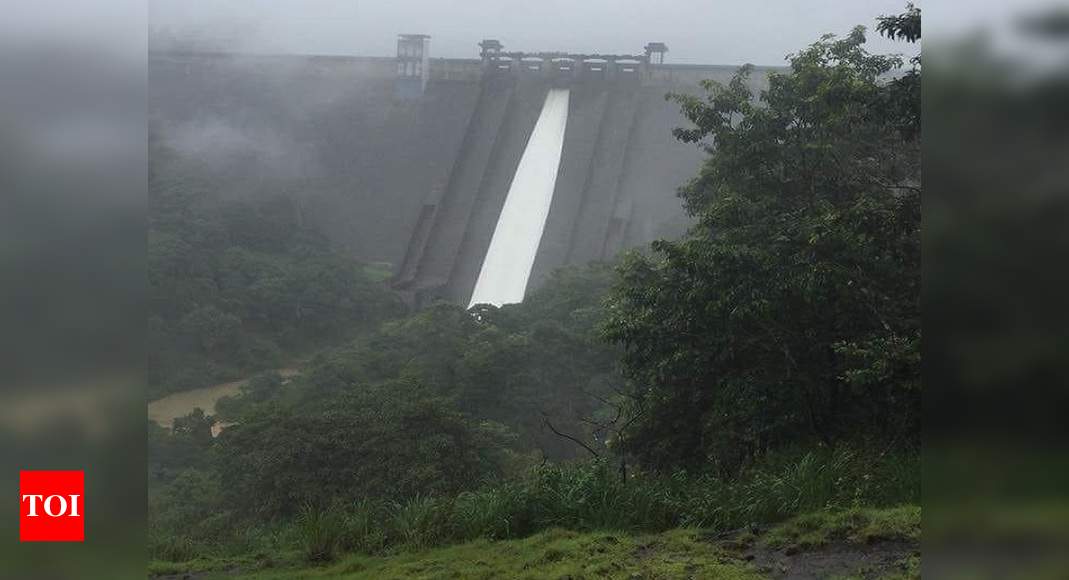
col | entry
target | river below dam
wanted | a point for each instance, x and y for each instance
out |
(165, 410)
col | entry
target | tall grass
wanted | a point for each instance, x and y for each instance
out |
(494, 512)
(421, 522)
(790, 483)
(172, 548)
(320, 532)
(363, 531)
(593, 496)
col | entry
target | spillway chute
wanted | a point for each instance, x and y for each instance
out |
(518, 233)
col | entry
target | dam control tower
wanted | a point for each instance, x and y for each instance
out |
(413, 65)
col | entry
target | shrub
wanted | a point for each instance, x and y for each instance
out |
(421, 522)
(319, 532)
(172, 548)
(363, 527)
(496, 513)
(388, 441)
(594, 497)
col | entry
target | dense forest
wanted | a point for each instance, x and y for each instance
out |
(764, 367)
(240, 283)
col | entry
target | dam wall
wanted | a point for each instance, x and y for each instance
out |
(418, 179)
(508, 148)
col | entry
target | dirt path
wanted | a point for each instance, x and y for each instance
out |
(876, 560)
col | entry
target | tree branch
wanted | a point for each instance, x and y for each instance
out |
(545, 421)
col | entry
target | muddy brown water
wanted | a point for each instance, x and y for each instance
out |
(164, 411)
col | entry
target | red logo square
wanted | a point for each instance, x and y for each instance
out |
(51, 506)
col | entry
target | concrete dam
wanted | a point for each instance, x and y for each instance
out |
(473, 178)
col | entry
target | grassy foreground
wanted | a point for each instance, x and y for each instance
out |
(871, 543)
(550, 554)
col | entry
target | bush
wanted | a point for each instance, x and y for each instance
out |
(494, 513)
(421, 522)
(363, 530)
(588, 496)
(595, 497)
(319, 532)
(790, 482)
(171, 548)
(388, 441)
(190, 506)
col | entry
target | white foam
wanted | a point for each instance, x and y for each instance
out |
(508, 262)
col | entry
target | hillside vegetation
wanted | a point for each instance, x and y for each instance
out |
(243, 283)
(679, 553)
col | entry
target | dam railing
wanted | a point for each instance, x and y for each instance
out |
(566, 65)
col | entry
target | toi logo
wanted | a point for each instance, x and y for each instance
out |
(52, 506)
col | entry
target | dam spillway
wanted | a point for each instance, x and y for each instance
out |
(415, 171)
(511, 253)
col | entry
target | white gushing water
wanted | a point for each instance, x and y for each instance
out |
(508, 262)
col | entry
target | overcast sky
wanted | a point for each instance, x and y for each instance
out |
(696, 31)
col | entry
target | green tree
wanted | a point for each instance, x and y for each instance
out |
(236, 281)
(519, 365)
(392, 440)
(790, 311)
(172, 450)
